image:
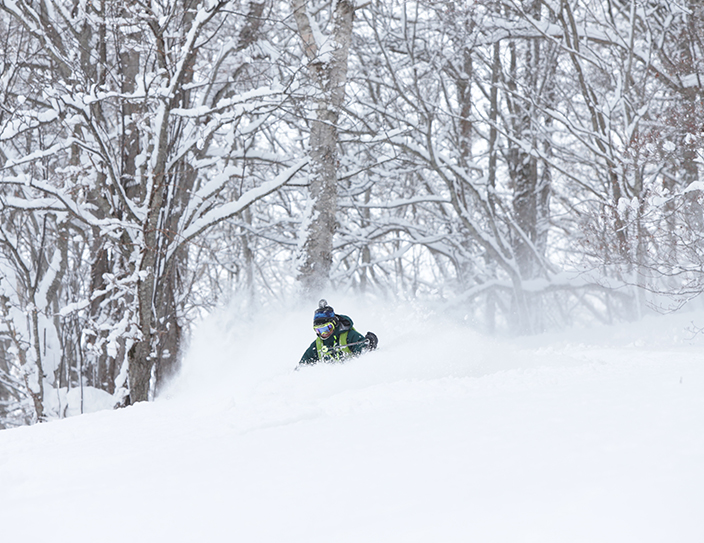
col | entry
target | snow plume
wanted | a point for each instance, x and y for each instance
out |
(239, 349)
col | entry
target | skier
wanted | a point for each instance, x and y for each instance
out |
(337, 339)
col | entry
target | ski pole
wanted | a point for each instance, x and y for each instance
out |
(340, 347)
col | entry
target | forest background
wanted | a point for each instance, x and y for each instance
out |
(533, 165)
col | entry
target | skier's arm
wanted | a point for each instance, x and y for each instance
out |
(310, 356)
(356, 341)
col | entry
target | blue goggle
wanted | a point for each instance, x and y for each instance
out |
(324, 329)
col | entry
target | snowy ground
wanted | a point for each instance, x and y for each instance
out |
(442, 435)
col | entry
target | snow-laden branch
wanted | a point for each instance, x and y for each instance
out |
(226, 211)
(247, 98)
(61, 201)
(401, 202)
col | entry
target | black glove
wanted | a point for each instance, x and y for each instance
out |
(372, 340)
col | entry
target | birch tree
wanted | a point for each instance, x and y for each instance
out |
(326, 44)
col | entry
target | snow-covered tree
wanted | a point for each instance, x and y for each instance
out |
(133, 124)
(528, 161)
(325, 31)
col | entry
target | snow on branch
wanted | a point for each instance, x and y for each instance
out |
(226, 211)
(401, 202)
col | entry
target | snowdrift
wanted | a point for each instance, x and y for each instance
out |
(440, 435)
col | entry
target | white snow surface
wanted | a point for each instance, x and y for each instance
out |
(442, 435)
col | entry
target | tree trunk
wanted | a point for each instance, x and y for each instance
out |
(329, 71)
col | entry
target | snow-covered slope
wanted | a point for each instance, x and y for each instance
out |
(442, 435)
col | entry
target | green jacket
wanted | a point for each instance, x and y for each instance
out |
(335, 350)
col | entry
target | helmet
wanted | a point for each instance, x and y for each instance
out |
(324, 313)
(324, 320)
